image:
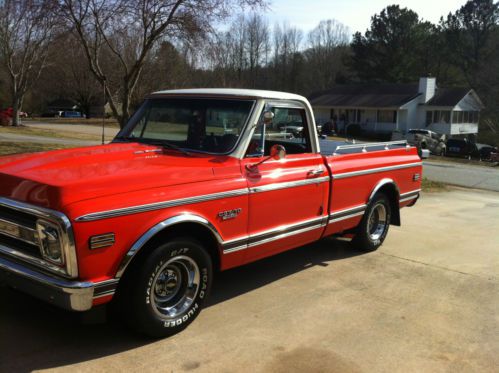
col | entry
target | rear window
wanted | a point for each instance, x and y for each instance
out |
(456, 142)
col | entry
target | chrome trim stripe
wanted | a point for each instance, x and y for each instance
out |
(288, 184)
(347, 213)
(409, 198)
(202, 198)
(345, 217)
(416, 191)
(285, 235)
(345, 175)
(161, 205)
(272, 235)
(105, 288)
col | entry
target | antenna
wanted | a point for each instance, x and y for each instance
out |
(104, 114)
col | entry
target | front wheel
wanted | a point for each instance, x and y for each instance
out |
(373, 228)
(166, 289)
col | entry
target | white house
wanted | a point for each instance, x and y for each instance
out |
(384, 108)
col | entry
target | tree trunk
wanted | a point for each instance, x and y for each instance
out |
(16, 107)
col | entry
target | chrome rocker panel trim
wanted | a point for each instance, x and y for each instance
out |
(347, 213)
(273, 234)
(409, 196)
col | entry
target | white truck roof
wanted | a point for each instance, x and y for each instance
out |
(234, 92)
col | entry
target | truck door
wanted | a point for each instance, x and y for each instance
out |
(288, 197)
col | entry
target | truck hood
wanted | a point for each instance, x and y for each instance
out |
(58, 178)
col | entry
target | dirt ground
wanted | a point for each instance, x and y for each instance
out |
(426, 301)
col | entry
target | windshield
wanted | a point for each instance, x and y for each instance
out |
(205, 125)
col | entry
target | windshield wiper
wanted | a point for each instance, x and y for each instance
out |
(166, 144)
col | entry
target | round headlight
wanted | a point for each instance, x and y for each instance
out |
(50, 241)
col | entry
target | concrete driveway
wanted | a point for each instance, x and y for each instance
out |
(426, 301)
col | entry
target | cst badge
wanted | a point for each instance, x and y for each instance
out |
(229, 214)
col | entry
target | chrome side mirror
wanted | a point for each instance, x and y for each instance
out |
(268, 116)
(277, 152)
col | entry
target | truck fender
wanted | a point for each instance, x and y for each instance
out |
(161, 226)
(390, 188)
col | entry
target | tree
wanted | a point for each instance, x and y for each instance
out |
(390, 50)
(327, 49)
(471, 33)
(125, 33)
(472, 37)
(26, 32)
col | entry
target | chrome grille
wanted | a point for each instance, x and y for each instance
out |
(19, 237)
(15, 234)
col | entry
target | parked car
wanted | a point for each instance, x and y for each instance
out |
(485, 151)
(462, 148)
(145, 221)
(426, 139)
(71, 114)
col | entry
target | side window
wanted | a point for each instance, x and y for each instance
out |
(289, 128)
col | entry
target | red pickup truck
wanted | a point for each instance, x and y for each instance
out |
(198, 181)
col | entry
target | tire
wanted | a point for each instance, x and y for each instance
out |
(167, 288)
(373, 227)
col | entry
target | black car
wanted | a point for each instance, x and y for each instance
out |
(462, 148)
(485, 151)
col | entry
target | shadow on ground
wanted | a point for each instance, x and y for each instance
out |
(35, 335)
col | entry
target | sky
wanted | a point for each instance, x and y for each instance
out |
(356, 14)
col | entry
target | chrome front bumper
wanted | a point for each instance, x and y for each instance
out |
(67, 294)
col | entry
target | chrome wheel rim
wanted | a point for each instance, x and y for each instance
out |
(175, 287)
(376, 223)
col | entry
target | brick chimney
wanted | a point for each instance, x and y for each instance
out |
(427, 88)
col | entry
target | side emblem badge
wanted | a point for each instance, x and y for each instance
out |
(229, 214)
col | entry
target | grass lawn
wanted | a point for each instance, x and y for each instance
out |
(109, 122)
(27, 147)
(433, 186)
(31, 131)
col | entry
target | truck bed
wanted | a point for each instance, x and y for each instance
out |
(331, 147)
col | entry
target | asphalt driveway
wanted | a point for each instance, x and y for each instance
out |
(426, 301)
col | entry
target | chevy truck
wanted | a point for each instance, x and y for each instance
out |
(198, 181)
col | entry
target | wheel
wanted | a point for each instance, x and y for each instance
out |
(373, 228)
(166, 289)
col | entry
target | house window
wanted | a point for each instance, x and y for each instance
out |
(387, 116)
(429, 117)
(442, 116)
(445, 116)
(475, 116)
(455, 115)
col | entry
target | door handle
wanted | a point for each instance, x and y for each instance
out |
(315, 173)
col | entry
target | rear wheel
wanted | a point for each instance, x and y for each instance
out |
(373, 228)
(166, 290)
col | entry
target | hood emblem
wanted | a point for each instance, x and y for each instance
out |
(229, 214)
